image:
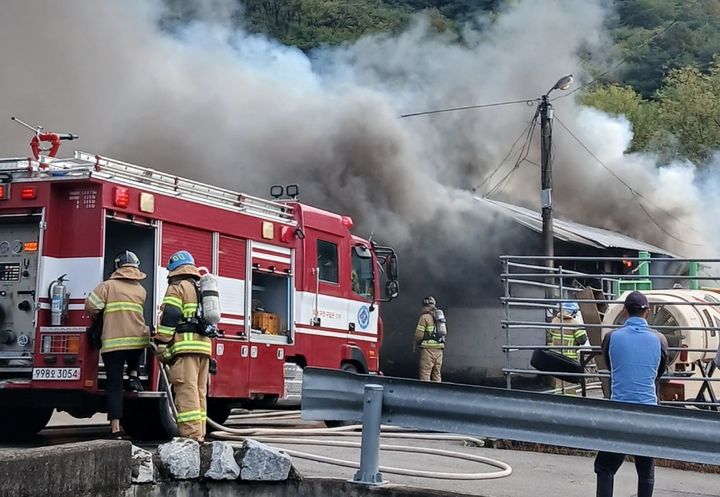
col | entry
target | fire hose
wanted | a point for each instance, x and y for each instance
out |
(297, 437)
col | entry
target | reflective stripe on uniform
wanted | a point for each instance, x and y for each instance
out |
(569, 338)
(187, 347)
(165, 330)
(96, 301)
(109, 344)
(173, 301)
(123, 306)
(190, 416)
(189, 310)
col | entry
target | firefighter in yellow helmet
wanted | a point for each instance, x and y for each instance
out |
(185, 350)
(431, 349)
(119, 303)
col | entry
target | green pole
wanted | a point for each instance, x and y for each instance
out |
(693, 269)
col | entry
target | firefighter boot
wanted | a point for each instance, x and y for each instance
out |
(605, 485)
(645, 488)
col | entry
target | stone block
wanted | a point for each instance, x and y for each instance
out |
(179, 459)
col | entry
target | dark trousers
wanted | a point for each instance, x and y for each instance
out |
(114, 364)
(607, 464)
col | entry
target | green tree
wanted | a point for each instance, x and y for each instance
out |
(689, 109)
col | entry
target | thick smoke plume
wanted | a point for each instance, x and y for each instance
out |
(243, 111)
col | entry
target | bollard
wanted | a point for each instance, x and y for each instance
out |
(369, 473)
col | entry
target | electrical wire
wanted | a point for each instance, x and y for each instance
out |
(625, 59)
(522, 156)
(636, 194)
(489, 176)
(528, 101)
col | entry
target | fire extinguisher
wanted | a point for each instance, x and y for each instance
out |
(59, 297)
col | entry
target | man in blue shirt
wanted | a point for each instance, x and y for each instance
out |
(636, 356)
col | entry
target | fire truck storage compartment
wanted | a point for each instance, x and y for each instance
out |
(140, 239)
(270, 303)
(19, 247)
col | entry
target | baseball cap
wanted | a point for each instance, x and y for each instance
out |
(636, 301)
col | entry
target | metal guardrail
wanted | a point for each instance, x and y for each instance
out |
(592, 424)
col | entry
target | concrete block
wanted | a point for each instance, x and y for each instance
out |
(259, 462)
(179, 459)
(85, 469)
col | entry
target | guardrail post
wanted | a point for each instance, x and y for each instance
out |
(369, 473)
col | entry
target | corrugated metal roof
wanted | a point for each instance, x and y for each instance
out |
(570, 231)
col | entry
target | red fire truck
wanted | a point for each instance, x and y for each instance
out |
(297, 287)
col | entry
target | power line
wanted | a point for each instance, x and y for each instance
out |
(522, 156)
(635, 49)
(489, 176)
(528, 101)
(636, 194)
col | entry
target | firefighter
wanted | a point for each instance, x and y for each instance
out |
(121, 300)
(183, 347)
(431, 349)
(571, 333)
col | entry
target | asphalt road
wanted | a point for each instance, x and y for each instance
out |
(534, 474)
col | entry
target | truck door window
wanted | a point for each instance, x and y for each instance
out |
(327, 261)
(361, 276)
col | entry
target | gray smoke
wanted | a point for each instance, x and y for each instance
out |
(243, 111)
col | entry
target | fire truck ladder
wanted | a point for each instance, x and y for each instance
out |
(94, 166)
(168, 184)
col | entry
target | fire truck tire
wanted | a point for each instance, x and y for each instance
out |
(149, 419)
(22, 423)
(267, 402)
(218, 411)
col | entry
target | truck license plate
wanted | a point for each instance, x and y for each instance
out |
(56, 373)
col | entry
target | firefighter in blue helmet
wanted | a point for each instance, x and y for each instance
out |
(570, 332)
(183, 346)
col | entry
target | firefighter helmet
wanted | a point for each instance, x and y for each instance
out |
(570, 308)
(429, 300)
(181, 258)
(126, 259)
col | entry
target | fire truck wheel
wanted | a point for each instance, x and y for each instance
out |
(23, 422)
(267, 402)
(149, 419)
(218, 411)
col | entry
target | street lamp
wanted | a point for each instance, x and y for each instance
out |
(546, 115)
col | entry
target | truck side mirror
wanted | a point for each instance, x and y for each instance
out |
(391, 266)
(392, 289)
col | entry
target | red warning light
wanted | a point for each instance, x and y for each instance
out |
(121, 197)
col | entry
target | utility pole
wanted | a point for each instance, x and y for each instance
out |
(548, 234)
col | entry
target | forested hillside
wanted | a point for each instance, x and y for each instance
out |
(668, 85)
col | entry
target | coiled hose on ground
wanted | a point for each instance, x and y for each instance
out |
(296, 437)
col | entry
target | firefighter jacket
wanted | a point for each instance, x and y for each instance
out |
(178, 311)
(425, 331)
(121, 299)
(571, 334)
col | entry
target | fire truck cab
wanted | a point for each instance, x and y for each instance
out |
(296, 287)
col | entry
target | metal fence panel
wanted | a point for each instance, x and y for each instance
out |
(593, 424)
